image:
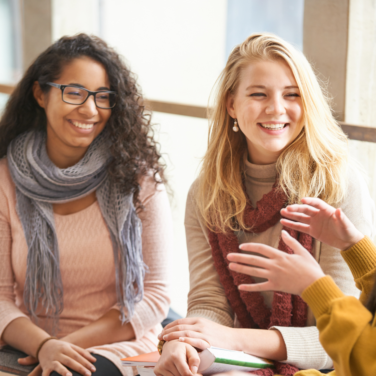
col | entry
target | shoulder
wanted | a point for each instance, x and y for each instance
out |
(192, 212)
(7, 189)
(6, 182)
(193, 190)
(358, 204)
(192, 197)
(149, 188)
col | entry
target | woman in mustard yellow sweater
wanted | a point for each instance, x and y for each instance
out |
(347, 326)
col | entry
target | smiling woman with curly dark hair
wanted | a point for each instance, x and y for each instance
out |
(85, 226)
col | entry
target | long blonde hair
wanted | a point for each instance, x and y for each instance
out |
(314, 164)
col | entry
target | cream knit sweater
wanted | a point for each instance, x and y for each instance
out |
(87, 268)
(206, 296)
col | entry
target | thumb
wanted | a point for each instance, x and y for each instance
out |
(193, 359)
(27, 361)
(293, 244)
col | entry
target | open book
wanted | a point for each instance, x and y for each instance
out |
(212, 360)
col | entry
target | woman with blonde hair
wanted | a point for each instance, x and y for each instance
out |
(272, 141)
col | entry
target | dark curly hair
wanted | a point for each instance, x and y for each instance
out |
(134, 151)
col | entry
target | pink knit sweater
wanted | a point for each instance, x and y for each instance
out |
(87, 268)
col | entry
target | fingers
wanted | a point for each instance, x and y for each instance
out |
(84, 353)
(185, 333)
(264, 286)
(301, 227)
(304, 209)
(299, 217)
(317, 203)
(195, 342)
(78, 363)
(75, 366)
(249, 270)
(167, 372)
(262, 249)
(293, 244)
(27, 361)
(176, 329)
(176, 367)
(193, 359)
(253, 260)
(59, 368)
(186, 321)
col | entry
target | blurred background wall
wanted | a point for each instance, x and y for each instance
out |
(178, 49)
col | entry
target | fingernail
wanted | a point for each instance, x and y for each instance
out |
(194, 369)
(93, 369)
(165, 337)
(159, 336)
(181, 339)
(68, 374)
(87, 373)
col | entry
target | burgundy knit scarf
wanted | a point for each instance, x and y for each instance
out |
(249, 307)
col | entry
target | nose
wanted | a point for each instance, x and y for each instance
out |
(275, 106)
(89, 109)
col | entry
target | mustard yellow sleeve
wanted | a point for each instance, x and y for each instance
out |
(345, 329)
(361, 259)
(314, 372)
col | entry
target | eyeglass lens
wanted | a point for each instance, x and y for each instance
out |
(75, 95)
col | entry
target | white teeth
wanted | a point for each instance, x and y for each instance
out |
(82, 125)
(274, 127)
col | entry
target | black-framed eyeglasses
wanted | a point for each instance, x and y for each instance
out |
(78, 95)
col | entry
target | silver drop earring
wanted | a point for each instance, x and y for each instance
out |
(235, 128)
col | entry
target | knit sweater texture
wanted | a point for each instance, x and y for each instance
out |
(87, 268)
(347, 329)
(207, 298)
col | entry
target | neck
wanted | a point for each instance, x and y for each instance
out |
(61, 155)
(259, 158)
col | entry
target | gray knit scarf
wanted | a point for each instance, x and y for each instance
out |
(39, 184)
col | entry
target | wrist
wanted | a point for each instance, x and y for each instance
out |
(42, 344)
(236, 338)
(243, 342)
(355, 238)
(36, 344)
(315, 276)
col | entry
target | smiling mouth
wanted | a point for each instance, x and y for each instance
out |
(82, 125)
(273, 127)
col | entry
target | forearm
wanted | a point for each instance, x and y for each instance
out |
(263, 343)
(23, 335)
(107, 329)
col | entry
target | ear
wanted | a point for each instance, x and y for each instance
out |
(230, 105)
(38, 94)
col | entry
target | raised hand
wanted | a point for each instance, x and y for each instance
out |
(284, 272)
(322, 222)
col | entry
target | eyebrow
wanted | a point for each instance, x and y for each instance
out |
(263, 87)
(79, 85)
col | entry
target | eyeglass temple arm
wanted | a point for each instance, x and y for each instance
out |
(53, 84)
